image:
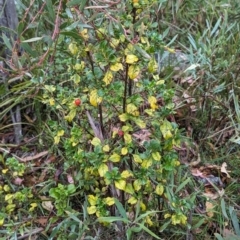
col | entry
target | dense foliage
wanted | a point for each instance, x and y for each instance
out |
(108, 122)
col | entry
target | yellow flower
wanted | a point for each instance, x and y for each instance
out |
(73, 48)
(130, 59)
(84, 34)
(167, 215)
(149, 221)
(103, 168)
(92, 200)
(91, 210)
(33, 206)
(116, 67)
(115, 157)
(153, 102)
(126, 174)
(51, 101)
(94, 98)
(120, 184)
(124, 151)
(109, 201)
(159, 189)
(133, 72)
(4, 171)
(1, 221)
(132, 200)
(108, 77)
(143, 206)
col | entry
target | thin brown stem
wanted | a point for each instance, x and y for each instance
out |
(125, 89)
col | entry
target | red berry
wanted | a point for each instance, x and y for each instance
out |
(77, 102)
(120, 133)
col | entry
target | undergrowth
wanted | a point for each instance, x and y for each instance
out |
(117, 143)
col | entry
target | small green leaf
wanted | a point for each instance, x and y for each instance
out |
(121, 209)
(7, 42)
(183, 184)
(137, 158)
(148, 230)
(51, 11)
(139, 122)
(120, 184)
(123, 117)
(96, 142)
(103, 168)
(112, 219)
(159, 189)
(156, 156)
(71, 188)
(32, 39)
(115, 157)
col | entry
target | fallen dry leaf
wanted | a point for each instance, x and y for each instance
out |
(70, 178)
(42, 221)
(224, 169)
(209, 209)
(47, 205)
(30, 158)
(18, 181)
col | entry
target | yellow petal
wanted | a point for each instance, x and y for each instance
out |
(96, 141)
(166, 128)
(132, 200)
(73, 48)
(183, 219)
(133, 72)
(130, 59)
(60, 133)
(152, 66)
(71, 115)
(149, 221)
(137, 185)
(1, 221)
(167, 215)
(159, 189)
(171, 50)
(123, 117)
(108, 77)
(84, 34)
(124, 150)
(51, 101)
(109, 201)
(91, 210)
(103, 168)
(126, 174)
(146, 163)
(94, 98)
(4, 171)
(56, 139)
(127, 138)
(106, 148)
(175, 219)
(156, 156)
(140, 122)
(33, 206)
(153, 102)
(143, 206)
(8, 197)
(115, 157)
(92, 200)
(114, 42)
(131, 108)
(129, 188)
(116, 67)
(137, 158)
(120, 184)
